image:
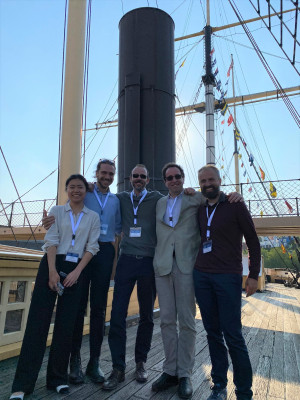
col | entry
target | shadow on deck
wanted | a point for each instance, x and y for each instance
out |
(271, 327)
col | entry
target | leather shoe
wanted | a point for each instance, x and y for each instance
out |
(185, 389)
(140, 374)
(93, 371)
(164, 382)
(76, 374)
(114, 379)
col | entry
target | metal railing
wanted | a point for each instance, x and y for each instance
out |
(257, 196)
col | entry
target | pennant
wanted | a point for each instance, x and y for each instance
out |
(230, 68)
(182, 63)
(218, 87)
(214, 63)
(262, 174)
(251, 159)
(216, 72)
(244, 174)
(212, 51)
(257, 205)
(247, 180)
(224, 109)
(261, 213)
(239, 156)
(273, 190)
(250, 189)
(223, 122)
(290, 208)
(242, 165)
(222, 167)
(237, 134)
(222, 159)
(283, 249)
(230, 120)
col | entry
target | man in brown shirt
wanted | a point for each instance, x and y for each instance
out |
(218, 282)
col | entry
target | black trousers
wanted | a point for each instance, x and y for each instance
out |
(38, 323)
(131, 270)
(97, 275)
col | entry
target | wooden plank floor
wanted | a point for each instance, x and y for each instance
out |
(271, 326)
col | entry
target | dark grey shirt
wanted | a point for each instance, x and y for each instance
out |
(144, 245)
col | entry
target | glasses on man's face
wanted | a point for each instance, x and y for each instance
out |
(142, 176)
(171, 177)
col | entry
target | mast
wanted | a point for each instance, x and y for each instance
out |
(70, 155)
(209, 83)
(236, 151)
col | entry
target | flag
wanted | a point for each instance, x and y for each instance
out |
(222, 167)
(283, 249)
(261, 213)
(224, 109)
(214, 63)
(237, 134)
(273, 190)
(245, 173)
(230, 120)
(240, 156)
(218, 87)
(251, 159)
(182, 63)
(247, 180)
(216, 72)
(250, 189)
(242, 165)
(212, 52)
(262, 174)
(223, 122)
(290, 208)
(229, 69)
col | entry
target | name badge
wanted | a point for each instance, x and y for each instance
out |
(135, 231)
(72, 257)
(207, 246)
(103, 229)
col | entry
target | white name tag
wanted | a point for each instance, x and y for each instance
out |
(207, 246)
(72, 257)
(135, 231)
(103, 229)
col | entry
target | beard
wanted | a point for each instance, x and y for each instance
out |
(211, 194)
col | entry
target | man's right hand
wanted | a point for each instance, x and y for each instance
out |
(47, 221)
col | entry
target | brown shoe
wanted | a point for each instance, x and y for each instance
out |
(141, 375)
(114, 379)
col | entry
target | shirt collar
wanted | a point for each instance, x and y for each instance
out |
(141, 194)
(222, 199)
(173, 198)
(68, 208)
(99, 191)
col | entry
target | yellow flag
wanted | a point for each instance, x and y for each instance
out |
(283, 249)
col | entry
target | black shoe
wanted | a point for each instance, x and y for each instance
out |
(114, 379)
(141, 375)
(164, 382)
(218, 393)
(93, 371)
(185, 389)
(76, 374)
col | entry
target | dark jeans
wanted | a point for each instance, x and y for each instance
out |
(129, 271)
(97, 274)
(38, 323)
(219, 299)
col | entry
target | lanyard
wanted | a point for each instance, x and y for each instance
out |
(74, 228)
(135, 209)
(171, 210)
(209, 219)
(99, 201)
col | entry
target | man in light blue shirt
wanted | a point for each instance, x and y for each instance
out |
(97, 273)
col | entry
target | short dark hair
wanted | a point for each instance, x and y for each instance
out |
(171, 165)
(140, 166)
(210, 166)
(105, 161)
(80, 177)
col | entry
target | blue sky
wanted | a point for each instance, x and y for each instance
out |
(31, 44)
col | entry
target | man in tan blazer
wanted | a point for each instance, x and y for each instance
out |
(178, 240)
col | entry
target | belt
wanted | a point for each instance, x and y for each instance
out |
(135, 256)
(104, 243)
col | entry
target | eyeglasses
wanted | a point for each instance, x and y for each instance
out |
(106, 161)
(171, 177)
(142, 176)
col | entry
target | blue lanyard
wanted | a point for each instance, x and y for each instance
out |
(171, 210)
(99, 201)
(135, 209)
(74, 228)
(209, 219)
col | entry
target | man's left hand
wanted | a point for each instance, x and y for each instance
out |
(250, 286)
(235, 197)
(189, 191)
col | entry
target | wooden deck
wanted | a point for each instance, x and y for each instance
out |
(271, 322)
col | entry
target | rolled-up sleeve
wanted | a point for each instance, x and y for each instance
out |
(52, 235)
(92, 245)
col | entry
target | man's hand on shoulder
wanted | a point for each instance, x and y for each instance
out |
(250, 286)
(91, 186)
(189, 191)
(47, 221)
(235, 197)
